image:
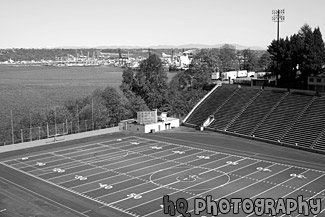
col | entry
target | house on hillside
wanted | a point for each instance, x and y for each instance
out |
(317, 83)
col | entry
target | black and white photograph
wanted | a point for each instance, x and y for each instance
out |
(159, 108)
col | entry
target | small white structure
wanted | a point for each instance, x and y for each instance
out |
(235, 74)
(149, 122)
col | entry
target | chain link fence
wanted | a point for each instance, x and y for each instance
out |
(25, 126)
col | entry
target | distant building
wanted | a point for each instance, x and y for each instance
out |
(316, 83)
(149, 122)
(231, 75)
(181, 60)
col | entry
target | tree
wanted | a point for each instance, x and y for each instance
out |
(250, 60)
(203, 64)
(318, 52)
(117, 104)
(228, 58)
(149, 83)
(298, 57)
(282, 64)
(264, 62)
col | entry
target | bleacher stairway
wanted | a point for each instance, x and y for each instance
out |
(270, 115)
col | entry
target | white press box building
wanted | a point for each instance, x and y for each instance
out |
(149, 122)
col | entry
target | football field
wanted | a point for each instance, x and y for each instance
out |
(131, 174)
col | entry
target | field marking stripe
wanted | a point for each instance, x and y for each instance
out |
(75, 163)
(42, 196)
(113, 170)
(312, 198)
(186, 164)
(104, 147)
(255, 162)
(109, 164)
(271, 165)
(34, 161)
(61, 150)
(36, 169)
(256, 183)
(72, 158)
(302, 187)
(209, 145)
(162, 186)
(279, 184)
(159, 178)
(261, 180)
(143, 169)
(321, 210)
(191, 167)
(74, 192)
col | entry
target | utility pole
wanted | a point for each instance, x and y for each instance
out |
(12, 128)
(278, 16)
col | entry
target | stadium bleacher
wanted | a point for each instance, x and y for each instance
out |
(210, 104)
(277, 116)
(281, 118)
(309, 126)
(253, 115)
(232, 107)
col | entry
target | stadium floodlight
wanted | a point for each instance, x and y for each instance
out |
(278, 16)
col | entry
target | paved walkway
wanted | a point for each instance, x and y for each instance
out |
(57, 140)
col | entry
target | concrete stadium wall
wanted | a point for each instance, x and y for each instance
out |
(52, 141)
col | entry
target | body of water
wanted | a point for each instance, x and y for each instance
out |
(26, 88)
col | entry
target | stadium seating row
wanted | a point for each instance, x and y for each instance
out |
(271, 115)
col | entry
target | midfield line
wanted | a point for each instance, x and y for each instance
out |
(179, 164)
(145, 168)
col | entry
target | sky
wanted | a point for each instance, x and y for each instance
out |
(91, 23)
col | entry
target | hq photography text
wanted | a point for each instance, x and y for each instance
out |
(257, 206)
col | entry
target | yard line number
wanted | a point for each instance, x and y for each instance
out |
(105, 186)
(80, 177)
(40, 164)
(134, 195)
(58, 170)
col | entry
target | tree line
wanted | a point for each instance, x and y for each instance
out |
(298, 56)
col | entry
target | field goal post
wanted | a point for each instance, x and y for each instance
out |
(57, 130)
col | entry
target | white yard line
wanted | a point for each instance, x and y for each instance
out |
(199, 184)
(113, 170)
(134, 177)
(65, 149)
(93, 157)
(191, 148)
(279, 184)
(76, 163)
(151, 166)
(301, 188)
(209, 145)
(112, 163)
(139, 185)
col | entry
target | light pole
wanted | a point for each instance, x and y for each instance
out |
(278, 16)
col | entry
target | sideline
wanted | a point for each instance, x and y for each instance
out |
(46, 198)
